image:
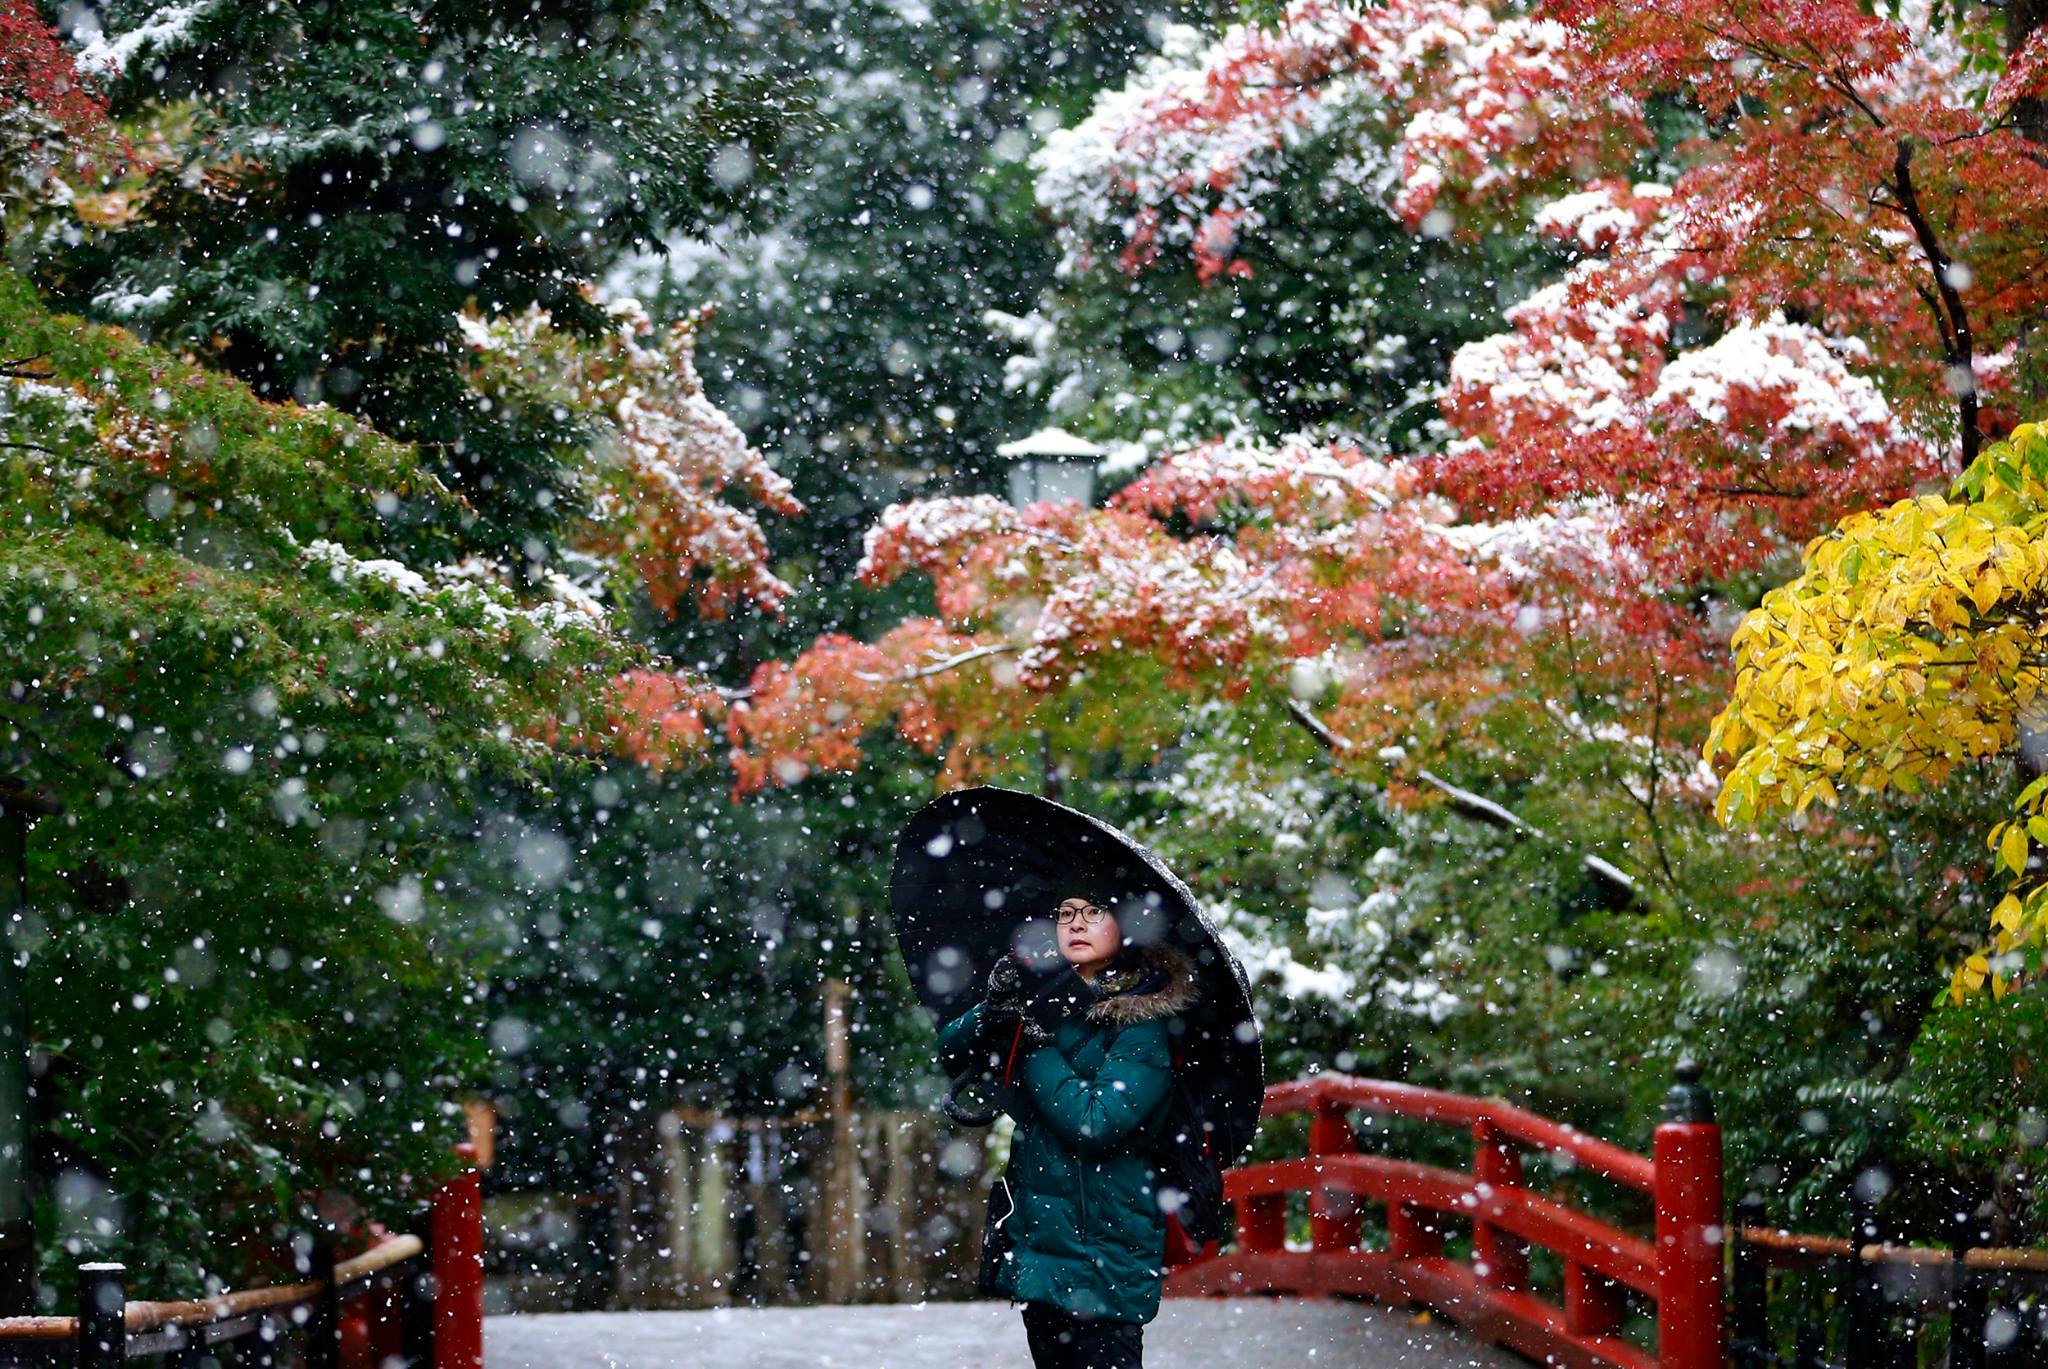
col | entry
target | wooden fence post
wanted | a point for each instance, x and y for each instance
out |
(1691, 1317)
(1863, 1309)
(102, 1316)
(1592, 1302)
(1751, 1347)
(456, 1245)
(323, 1317)
(416, 1318)
(902, 1181)
(714, 1241)
(1262, 1223)
(264, 1349)
(1413, 1232)
(1966, 1306)
(387, 1326)
(17, 1224)
(845, 1244)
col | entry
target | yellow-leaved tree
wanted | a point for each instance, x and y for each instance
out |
(1915, 641)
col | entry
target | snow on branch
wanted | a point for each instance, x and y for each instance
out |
(1477, 807)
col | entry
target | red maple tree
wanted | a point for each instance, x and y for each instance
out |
(1804, 320)
(48, 112)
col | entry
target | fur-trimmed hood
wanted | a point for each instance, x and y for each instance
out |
(1158, 981)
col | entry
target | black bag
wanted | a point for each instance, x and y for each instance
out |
(1190, 1180)
(996, 1240)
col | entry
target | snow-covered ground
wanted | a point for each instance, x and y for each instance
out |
(1206, 1333)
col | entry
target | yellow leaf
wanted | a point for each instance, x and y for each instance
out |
(2013, 849)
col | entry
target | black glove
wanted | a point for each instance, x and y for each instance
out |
(1006, 985)
(1003, 1019)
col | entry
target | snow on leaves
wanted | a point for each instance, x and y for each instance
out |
(2025, 78)
(1223, 568)
(1908, 648)
(1427, 100)
(48, 112)
(108, 55)
(666, 454)
(1718, 458)
(467, 593)
(1900, 206)
(1829, 283)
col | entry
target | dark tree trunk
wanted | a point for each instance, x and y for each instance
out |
(2022, 19)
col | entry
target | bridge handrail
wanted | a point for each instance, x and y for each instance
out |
(1435, 1105)
(1680, 1269)
(156, 1316)
(1607, 1250)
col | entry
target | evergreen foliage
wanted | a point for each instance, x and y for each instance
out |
(359, 172)
(262, 707)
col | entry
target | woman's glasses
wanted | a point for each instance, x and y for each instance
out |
(1092, 915)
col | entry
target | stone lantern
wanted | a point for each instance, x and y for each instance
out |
(1051, 464)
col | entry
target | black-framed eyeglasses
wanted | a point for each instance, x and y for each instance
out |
(1068, 916)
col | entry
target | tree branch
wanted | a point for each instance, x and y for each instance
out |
(942, 666)
(1757, 492)
(1479, 808)
(1961, 345)
(18, 368)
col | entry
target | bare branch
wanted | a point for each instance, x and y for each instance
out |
(18, 368)
(940, 667)
(1757, 492)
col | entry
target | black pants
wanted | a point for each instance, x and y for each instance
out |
(1060, 1340)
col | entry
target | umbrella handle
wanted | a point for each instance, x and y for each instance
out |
(959, 1111)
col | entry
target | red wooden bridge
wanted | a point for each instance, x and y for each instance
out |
(1676, 1268)
(1671, 1274)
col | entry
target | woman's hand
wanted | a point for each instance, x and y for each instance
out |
(1031, 1035)
(1006, 985)
(1003, 1018)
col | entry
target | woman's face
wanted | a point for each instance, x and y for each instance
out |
(1085, 943)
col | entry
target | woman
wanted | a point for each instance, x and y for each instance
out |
(1089, 1238)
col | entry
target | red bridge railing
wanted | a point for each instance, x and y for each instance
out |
(1678, 1267)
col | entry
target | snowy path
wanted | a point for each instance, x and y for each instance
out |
(1204, 1333)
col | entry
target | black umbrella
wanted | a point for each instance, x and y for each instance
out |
(978, 874)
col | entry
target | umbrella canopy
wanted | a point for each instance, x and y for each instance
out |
(978, 874)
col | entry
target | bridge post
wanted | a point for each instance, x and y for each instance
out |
(102, 1317)
(1690, 1228)
(1413, 1232)
(1967, 1320)
(1332, 1217)
(456, 1245)
(1262, 1223)
(1592, 1302)
(1501, 1256)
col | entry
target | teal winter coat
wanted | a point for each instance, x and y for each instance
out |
(1088, 1232)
